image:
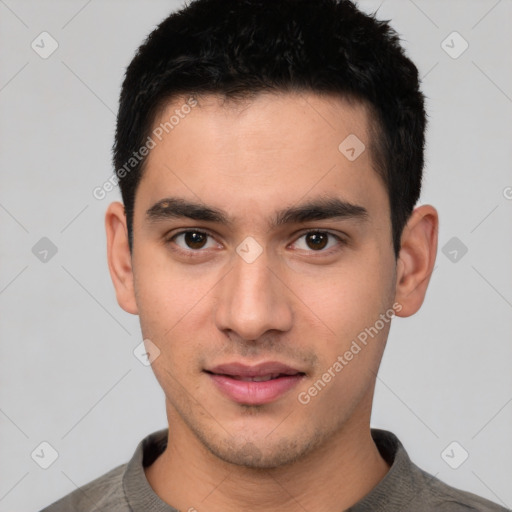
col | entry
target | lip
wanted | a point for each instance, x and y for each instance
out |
(228, 379)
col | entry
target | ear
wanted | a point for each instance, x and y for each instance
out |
(416, 259)
(119, 257)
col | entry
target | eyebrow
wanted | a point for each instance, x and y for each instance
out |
(322, 208)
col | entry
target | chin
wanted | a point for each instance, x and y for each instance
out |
(262, 454)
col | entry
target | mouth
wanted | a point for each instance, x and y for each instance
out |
(262, 378)
(255, 385)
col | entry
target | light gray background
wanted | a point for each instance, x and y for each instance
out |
(68, 375)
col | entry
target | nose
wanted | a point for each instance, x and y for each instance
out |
(253, 299)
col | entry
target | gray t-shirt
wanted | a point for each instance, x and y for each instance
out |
(404, 488)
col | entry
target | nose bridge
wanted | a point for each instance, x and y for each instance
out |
(252, 299)
(252, 280)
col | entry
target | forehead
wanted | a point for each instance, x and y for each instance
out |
(269, 149)
(296, 117)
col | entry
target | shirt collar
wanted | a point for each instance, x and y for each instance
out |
(393, 492)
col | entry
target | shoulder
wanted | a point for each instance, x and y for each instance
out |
(121, 487)
(446, 498)
(103, 493)
(408, 487)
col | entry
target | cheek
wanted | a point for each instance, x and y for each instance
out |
(174, 310)
(351, 298)
(168, 293)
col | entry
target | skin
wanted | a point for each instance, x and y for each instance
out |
(294, 303)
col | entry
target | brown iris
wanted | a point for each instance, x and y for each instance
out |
(195, 239)
(316, 240)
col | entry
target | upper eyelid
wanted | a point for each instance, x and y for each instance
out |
(316, 230)
(189, 230)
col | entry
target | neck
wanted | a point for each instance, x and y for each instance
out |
(335, 476)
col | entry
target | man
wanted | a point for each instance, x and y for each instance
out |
(270, 158)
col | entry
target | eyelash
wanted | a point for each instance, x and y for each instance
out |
(194, 252)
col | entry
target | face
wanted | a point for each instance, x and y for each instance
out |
(263, 251)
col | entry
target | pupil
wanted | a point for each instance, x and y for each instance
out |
(319, 240)
(194, 239)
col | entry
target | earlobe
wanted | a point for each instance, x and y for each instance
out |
(416, 259)
(119, 257)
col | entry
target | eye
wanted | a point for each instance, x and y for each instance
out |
(317, 241)
(192, 240)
